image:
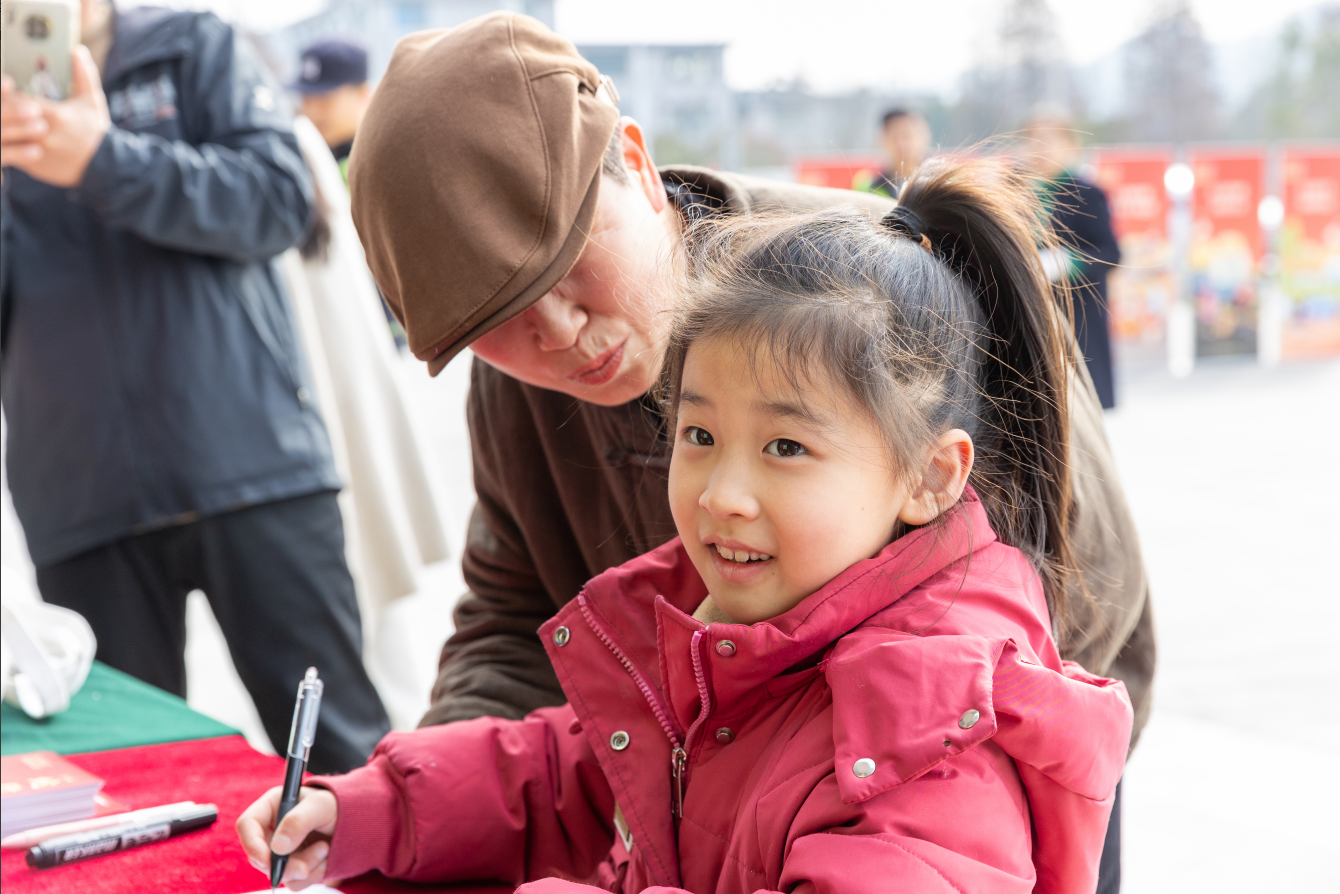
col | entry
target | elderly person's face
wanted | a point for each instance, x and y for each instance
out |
(599, 335)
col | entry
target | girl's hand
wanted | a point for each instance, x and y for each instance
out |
(305, 834)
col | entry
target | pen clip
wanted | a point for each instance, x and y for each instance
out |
(305, 714)
(307, 735)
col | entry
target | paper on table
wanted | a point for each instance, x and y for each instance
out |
(311, 889)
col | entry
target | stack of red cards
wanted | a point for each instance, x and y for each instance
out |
(40, 788)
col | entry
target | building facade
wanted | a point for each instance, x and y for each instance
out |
(379, 24)
(678, 94)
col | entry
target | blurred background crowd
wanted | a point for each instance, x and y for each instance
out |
(1189, 153)
(1206, 124)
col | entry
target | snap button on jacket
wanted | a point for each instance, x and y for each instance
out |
(875, 670)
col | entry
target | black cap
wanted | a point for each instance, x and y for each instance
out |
(330, 64)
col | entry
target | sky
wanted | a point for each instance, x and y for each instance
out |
(839, 44)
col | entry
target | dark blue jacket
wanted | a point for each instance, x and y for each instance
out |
(152, 372)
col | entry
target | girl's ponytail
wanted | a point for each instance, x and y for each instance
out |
(980, 219)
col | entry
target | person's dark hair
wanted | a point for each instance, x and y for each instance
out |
(895, 113)
(315, 245)
(941, 317)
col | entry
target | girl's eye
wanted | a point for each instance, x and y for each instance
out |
(695, 435)
(785, 447)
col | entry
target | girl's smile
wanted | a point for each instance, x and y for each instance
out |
(735, 562)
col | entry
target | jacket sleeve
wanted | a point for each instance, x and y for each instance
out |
(1111, 630)
(484, 799)
(494, 664)
(237, 190)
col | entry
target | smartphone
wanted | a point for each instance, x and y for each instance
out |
(37, 45)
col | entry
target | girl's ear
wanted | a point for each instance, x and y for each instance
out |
(942, 480)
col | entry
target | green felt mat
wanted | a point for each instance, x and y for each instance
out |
(111, 710)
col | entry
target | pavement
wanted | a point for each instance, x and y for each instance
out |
(1233, 475)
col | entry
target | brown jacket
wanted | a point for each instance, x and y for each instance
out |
(567, 489)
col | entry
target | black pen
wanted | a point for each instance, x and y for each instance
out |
(299, 746)
(96, 842)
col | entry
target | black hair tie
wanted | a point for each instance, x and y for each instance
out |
(906, 222)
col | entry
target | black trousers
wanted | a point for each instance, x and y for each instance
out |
(276, 578)
(1093, 332)
(1109, 865)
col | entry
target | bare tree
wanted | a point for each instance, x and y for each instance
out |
(1320, 99)
(1025, 67)
(1170, 89)
(1033, 63)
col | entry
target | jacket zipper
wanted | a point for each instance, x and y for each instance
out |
(681, 755)
(679, 749)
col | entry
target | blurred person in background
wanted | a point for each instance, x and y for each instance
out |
(905, 137)
(162, 435)
(333, 83)
(519, 215)
(1083, 224)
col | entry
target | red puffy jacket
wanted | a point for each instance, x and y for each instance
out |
(908, 727)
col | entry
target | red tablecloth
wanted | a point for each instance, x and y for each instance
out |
(225, 771)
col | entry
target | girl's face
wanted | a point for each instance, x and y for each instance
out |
(774, 498)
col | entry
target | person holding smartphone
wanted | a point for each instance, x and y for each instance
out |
(162, 433)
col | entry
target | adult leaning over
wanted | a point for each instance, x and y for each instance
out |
(505, 206)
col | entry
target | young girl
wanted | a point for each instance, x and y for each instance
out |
(841, 676)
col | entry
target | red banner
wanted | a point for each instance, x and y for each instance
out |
(838, 173)
(1310, 252)
(1134, 186)
(1139, 291)
(1226, 248)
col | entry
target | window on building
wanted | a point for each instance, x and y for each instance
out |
(612, 61)
(690, 66)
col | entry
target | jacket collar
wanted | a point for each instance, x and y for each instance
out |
(702, 192)
(144, 35)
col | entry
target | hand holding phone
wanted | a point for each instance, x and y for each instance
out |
(74, 128)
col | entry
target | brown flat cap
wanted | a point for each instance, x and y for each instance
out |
(475, 174)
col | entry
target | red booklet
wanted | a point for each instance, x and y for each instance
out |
(40, 788)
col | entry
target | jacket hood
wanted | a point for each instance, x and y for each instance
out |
(985, 688)
(148, 34)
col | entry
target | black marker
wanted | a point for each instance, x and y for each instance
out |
(299, 746)
(81, 845)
